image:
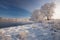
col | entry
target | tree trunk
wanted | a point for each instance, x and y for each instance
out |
(48, 18)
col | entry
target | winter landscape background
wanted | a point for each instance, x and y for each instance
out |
(29, 20)
(47, 30)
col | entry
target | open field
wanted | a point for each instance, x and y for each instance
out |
(47, 30)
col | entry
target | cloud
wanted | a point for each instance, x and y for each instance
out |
(26, 4)
(29, 5)
(19, 3)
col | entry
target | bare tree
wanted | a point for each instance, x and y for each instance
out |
(48, 10)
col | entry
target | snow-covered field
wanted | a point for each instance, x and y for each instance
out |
(35, 31)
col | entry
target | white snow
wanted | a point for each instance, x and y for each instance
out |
(35, 31)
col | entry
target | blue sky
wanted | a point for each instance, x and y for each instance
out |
(19, 8)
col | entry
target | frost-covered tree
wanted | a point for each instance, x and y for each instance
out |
(48, 10)
(37, 16)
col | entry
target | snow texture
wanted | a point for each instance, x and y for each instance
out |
(35, 31)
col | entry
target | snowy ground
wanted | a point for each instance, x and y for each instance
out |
(35, 31)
